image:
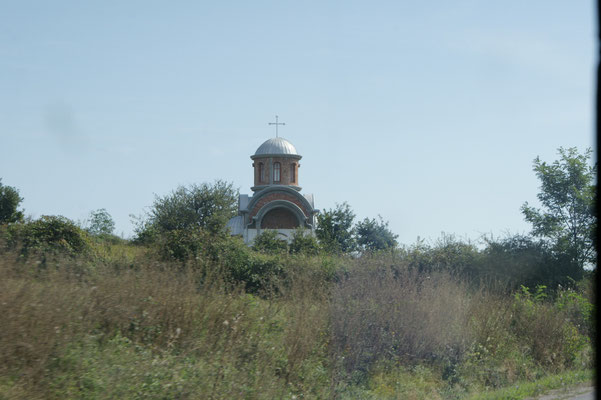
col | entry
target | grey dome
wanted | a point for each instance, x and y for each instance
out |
(276, 147)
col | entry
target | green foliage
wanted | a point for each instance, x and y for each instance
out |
(235, 323)
(374, 235)
(50, 233)
(145, 231)
(268, 242)
(448, 254)
(205, 206)
(567, 219)
(181, 244)
(179, 224)
(504, 264)
(100, 223)
(335, 230)
(256, 271)
(9, 202)
(398, 382)
(578, 310)
(303, 242)
(552, 340)
(158, 332)
(521, 260)
(534, 388)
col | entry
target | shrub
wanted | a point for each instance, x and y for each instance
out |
(447, 254)
(303, 242)
(551, 339)
(520, 260)
(181, 244)
(54, 234)
(578, 309)
(269, 243)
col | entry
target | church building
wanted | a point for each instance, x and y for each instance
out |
(276, 202)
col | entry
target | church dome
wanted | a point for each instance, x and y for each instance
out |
(276, 147)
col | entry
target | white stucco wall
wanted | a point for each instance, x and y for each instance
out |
(284, 234)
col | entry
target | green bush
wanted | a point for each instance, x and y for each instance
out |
(181, 244)
(269, 243)
(447, 254)
(549, 337)
(303, 242)
(578, 309)
(50, 233)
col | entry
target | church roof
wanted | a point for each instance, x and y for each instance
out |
(276, 146)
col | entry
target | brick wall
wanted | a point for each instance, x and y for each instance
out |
(279, 218)
(278, 196)
(286, 165)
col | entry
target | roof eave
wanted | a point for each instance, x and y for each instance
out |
(295, 156)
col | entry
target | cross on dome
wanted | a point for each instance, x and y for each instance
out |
(276, 123)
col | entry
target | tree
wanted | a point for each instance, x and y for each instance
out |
(100, 222)
(520, 260)
(373, 235)
(9, 202)
(566, 220)
(205, 206)
(335, 229)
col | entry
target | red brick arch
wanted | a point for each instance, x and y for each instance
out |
(278, 196)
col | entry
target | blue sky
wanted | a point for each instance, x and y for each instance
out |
(428, 113)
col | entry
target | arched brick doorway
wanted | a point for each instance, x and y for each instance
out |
(279, 218)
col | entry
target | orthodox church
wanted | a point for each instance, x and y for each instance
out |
(276, 202)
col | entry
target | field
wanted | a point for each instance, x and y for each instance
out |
(119, 321)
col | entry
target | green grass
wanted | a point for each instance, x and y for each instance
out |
(524, 389)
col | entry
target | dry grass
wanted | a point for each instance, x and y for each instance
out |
(381, 312)
(240, 343)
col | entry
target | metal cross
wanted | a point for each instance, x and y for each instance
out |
(276, 123)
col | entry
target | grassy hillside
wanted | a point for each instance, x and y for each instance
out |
(118, 321)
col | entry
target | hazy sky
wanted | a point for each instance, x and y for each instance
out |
(426, 112)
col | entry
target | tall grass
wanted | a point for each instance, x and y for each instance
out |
(119, 324)
(385, 313)
(62, 334)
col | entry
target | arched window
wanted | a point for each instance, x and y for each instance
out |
(261, 173)
(293, 173)
(276, 172)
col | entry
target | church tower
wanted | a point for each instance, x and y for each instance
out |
(276, 163)
(276, 202)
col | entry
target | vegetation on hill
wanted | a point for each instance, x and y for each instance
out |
(186, 311)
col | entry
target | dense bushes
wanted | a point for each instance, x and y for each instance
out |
(196, 312)
(319, 327)
(54, 234)
(503, 264)
(386, 315)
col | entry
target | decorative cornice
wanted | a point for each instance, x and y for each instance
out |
(294, 156)
(258, 188)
